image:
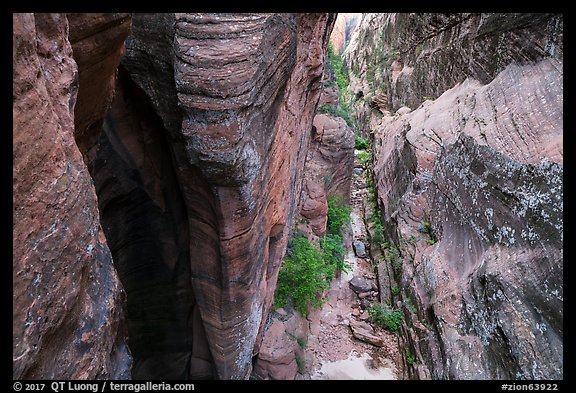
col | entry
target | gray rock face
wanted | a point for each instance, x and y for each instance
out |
(422, 55)
(360, 284)
(479, 171)
(359, 248)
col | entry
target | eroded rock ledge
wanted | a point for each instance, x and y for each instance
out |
(233, 98)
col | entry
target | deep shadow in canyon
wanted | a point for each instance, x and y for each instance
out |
(146, 224)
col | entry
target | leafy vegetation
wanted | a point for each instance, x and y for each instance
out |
(308, 266)
(360, 143)
(338, 215)
(334, 251)
(388, 319)
(392, 255)
(410, 359)
(396, 291)
(426, 228)
(364, 157)
(342, 80)
(337, 110)
(300, 363)
(338, 75)
(303, 276)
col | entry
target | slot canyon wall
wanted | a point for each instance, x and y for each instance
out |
(68, 304)
(465, 116)
(186, 140)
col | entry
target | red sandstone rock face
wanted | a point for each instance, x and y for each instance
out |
(276, 359)
(483, 165)
(68, 304)
(328, 170)
(338, 36)
(235, 96)
(343, 29)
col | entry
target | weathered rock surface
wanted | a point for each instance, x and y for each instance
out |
(470, 187)
(68, 304)
(276, 359)
(230, 100)
(360, 284)
(97, 41)
(343, 29)
(363, 331)
(359, 248)
(328, 170)
(419, 56)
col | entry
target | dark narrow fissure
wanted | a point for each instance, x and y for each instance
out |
(145, 220)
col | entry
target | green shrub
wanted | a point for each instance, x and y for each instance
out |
(364, 157)
(388, 319)
(309, 267)
(338, 66)
(337, 110)
(338, 215)
(300, 363)
(303, 276)
(392, 255)
(334, 252)
(361, 143)
(396, 291)
(426, 227)
(410, 359)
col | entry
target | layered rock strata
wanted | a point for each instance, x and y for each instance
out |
(404, 59)
(68, 304)
(471, 192)
(198, 168)
(230, 101)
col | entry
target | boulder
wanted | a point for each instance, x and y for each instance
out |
(360, 284)
(359, 248)
(363, 331)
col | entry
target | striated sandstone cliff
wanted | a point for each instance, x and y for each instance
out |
(198, 168)
(68, 305)
(343, 29)
(400, 60)
(328, 170)
(201, 161)
(470, 186)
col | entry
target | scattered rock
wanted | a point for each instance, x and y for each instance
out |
(359, 248)
(358, 171)
(364, 332)
(365, 303)
(363, 295)
(355, 312)
(281, 312)
(360, 284)
(364, 316)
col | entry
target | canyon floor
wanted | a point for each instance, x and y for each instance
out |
(338, 354)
